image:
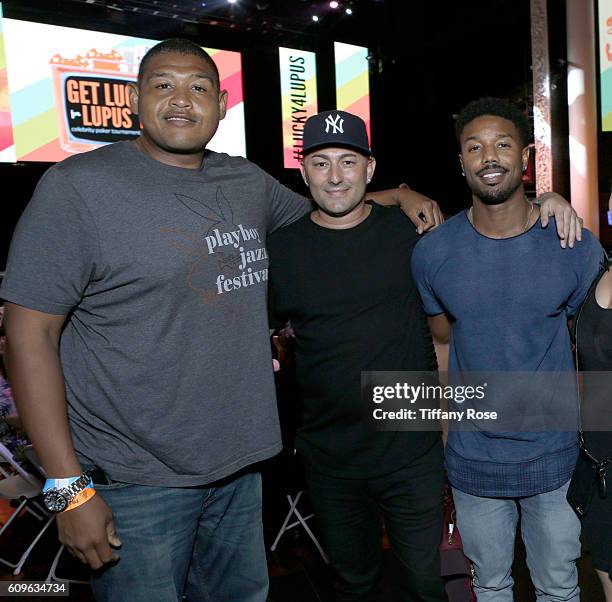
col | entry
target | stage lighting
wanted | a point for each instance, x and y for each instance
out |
(315, 18)
(349, 11)
(334, 4)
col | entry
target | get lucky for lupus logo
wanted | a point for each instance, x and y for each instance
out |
(234, 265)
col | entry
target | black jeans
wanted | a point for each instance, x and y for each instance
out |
(349, 511)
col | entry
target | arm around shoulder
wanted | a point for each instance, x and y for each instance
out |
(422, 211)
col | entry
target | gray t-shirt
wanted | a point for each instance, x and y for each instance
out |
(163, 274)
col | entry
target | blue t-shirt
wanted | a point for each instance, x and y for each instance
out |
(508, 301)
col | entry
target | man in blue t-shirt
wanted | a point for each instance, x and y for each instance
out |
(479, 270)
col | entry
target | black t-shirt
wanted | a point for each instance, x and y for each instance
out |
(354, 306)
(594, 339)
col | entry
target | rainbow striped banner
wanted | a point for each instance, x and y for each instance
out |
(298, 76)
(352, 81)
(230, 138)
(605, 63)
(7, 146)
(67, 91)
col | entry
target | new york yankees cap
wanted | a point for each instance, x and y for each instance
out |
(335, 128)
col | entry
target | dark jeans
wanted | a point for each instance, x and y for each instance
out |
(349, 511)
(202, 542)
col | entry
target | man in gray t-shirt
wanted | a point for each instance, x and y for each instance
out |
(138, 346)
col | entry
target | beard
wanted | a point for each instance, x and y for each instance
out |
(494, 195)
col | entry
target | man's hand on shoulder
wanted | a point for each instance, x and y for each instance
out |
(569, 225)
(422, 211)
(88, 532)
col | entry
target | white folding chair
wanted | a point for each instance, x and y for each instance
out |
(301, 520)
(15, 467)
(6, 470)
(24, 487)
(7, 457)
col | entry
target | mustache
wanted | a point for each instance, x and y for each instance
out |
(490, 167)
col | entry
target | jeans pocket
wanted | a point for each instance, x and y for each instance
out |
(101, 480)
(113, 485)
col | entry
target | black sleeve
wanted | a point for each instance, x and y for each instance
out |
(275, 315)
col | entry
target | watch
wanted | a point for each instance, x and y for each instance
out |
(57, 500)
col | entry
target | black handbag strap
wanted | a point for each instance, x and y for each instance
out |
(599, 464)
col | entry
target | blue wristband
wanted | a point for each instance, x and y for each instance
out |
(59, 483)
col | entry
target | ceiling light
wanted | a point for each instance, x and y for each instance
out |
(349, 11)
(315, 18)
(334, 4)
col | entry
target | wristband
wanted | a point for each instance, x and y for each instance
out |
(80, 498)
(59, 483)
(58, 499)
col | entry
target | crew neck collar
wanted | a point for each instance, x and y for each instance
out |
(513, 237)
(363, 224)
(164, 167)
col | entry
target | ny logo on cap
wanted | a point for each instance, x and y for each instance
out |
(336, 122)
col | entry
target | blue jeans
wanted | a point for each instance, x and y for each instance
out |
(205, 543)
(550, 532)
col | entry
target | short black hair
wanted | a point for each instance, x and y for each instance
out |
(177, 46)
(498, 107)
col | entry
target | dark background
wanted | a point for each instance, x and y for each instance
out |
(428, 59)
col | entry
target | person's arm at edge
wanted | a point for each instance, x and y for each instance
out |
(33, 366)
(422, 211)
(569, 224)
(35, 373)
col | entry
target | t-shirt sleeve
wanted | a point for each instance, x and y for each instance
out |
(286, 206)
(588, 270)
(422, 274)
(54, 249)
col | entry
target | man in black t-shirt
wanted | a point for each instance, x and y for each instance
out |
(342, 276)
